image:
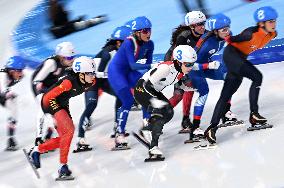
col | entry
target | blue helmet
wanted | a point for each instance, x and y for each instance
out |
(264, 14)
(120, 33)
(15, 62)
(141, 23)
(129, 23)
(218, 21)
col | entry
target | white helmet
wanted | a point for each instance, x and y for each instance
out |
(184, 53)
(84, 64)
(194, 17)
(65, 49)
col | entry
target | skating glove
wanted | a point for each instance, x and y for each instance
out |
(38, 141)
(186, 87)
(214, 65)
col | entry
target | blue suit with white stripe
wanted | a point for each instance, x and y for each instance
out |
(123, 73)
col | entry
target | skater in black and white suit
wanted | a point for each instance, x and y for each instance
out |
(148, 93)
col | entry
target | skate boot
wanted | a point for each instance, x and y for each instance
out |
(49, 133)
(35, 157)
(114, 131)
(155, 154)
(11, 144)
(198, 133)
(258, 122)
(185, 125)
(256, 118)
(82, 146)
(229, 117)
(64, 174)
(195, 135)
(210, 135)
(120, 142)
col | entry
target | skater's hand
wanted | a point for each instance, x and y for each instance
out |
(214, 65)
(156, 103)
(187, 87)
(10, 95)
(38, 141)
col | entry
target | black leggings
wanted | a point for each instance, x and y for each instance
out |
(231, 85)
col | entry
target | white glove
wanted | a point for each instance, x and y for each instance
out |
(214, 65)
(101, 74)
(156, 103)
(186, 88)
(141, 61)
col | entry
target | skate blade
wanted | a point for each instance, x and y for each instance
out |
(189, 141)
(156, 159)
(141, 140)
(65, 178)
(11, 149)
(231, 123)
(183, 131)
(205, 147)
(32, 165)
(120, 148)
(113, 135)
(81, 150)
(259, 127)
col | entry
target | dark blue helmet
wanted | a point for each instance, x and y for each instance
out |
(218, 21)
(141, 23)
(264, 14)
(120, 33)
(15, 62)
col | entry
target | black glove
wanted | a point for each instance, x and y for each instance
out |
(38, 141)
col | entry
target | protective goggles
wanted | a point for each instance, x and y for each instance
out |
(145, 31)
(188, 64)
(200, 24)
(69, 58)
(224, 30)
(90, 73)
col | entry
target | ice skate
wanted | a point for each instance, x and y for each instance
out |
(120, 142)
(28, 157)
(185, 125)
(11, 144)
(155, 154)
(196, 136)
(258, 122)
(82, 146)
(114, 131)
(64, 174)
(230, 119)
(210, 135)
